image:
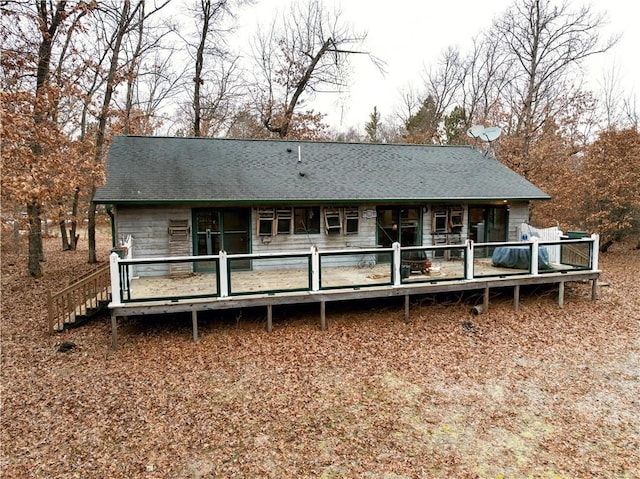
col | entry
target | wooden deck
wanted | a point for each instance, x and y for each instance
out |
(375, 280)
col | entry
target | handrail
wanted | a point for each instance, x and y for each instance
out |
(75, 299)
(120, 268)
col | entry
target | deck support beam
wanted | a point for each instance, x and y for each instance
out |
(114, 331)
(323, 310)
(269, 318)
(516, 297)
(485, 299)
(406, 308)
(194, 321)
(561, 294)
(594, 289)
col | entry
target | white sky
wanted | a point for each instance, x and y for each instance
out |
(409, 34)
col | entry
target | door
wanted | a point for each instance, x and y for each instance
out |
(488, 224)
(399, 223)
(221, 229)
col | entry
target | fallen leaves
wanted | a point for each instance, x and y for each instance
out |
(540, 392)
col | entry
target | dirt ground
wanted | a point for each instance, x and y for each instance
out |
(545, 392)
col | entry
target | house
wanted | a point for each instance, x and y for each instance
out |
(198, 196)
(216, 224)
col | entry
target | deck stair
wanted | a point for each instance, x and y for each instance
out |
(81, 300)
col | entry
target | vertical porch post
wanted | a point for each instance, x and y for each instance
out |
(535, 247)
(468, 263)
(115, 279)
(323, 319)
(406, 308)
(397, 259)
(194, 321)
(595, 251)
(485, 299)
(269, 318)
(516, 297)
(223, 268)
(315, 269)
(561, 294)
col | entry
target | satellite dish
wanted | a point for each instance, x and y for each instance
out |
(490, 134)
(475, 131)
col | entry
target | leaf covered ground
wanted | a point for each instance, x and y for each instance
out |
(544, 392)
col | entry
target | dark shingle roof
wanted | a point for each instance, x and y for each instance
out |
(170, 169)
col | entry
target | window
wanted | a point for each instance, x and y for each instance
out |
(306, 220)
(283, 221)
(440, 221)
(351, 220)
(266, 221)
(447, 219)
(332, 221)
(455, 218)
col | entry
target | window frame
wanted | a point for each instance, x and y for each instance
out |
(351, 214)
(307, 228)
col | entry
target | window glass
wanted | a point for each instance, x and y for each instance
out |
(306, 220)
(351, 221)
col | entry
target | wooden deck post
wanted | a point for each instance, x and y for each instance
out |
(406, 308)
(323, 319)
(397, 262)
(114, 274)
(561, 294)
(535, 249)
(594, 289)
(114, 331)
(269, 318)
(50, 311)
(194, 321)
(516, 297)
(485, 299)
(468, 260)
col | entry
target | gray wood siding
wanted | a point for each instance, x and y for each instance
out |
(149, 229)
(518, 214)
(364, 239)
(148, 226)
(427, 224)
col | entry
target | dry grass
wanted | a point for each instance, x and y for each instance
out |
(543, 392)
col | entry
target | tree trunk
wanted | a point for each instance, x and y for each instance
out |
(123, 24)
(63, 235)
(73, 237)
(35, 240)
(91, 229)
(197, 80)
(605, 246)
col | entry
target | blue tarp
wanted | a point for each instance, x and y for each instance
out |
(518, 257)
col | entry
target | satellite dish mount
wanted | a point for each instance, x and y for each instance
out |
(489, 134)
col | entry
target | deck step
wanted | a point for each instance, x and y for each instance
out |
(83, 314)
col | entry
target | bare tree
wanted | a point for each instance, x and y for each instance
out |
(214, 83)
(126, 18)
(305, 51)
(547, 43)
(445, 81)
(485, 73)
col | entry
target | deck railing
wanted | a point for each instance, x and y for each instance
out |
(78, 298)
(227, 275)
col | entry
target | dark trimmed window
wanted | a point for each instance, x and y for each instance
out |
(306, 220)
(351, 220)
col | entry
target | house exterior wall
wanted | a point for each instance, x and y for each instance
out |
(149, 228)
(365, 238)
(518, 214)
